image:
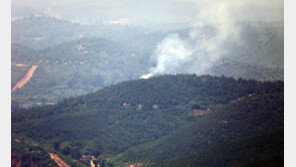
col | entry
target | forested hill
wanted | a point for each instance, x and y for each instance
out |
(74, 59)
(164, 118)
(71, 69)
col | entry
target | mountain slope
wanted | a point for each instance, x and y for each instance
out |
(265, 149)
(258, 54)
(72, 69)
(84, 65)
(228, 123)
(156, 117)
(43, 32)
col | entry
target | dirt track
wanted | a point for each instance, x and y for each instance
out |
(25, 79)
(92, 164)
(58, 160)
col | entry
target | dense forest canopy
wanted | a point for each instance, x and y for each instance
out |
(157, 119)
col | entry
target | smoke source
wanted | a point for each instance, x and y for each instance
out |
(213, 26)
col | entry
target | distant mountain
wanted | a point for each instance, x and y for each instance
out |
(161, 119)
(24, 12)
(72, 69)
(235, 68)
(43, 31)
(258, 53)
(263, 44)
(71, 65)
(260, 56)
(40, 32)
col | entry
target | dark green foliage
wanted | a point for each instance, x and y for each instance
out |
(29, 153)
(265, 149)
(110, 122)
(230, 122)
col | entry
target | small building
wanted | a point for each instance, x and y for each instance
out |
(88, 158)
(140, 106)
(85, 158)
(155, 106)
(125, 104)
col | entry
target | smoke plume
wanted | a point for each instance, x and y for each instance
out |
(213, 26)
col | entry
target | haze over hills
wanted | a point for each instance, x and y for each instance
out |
(139, 12)
(85, 64)
(111, 83)
(72, 69)
(41, 32)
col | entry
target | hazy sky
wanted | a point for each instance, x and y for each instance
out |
(139, 12)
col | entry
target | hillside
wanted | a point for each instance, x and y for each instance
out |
(42, 32)
(229, 123)
(26, 152)
(69, 64)
(259, 54)
(84, 65)
(162, 118)
(235, 68)
(71, 69)
(250, 151)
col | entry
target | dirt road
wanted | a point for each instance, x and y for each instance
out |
(58, 160)
(25, 79)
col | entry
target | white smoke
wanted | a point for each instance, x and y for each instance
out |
(146, 76)
(213, 26)
(171, 53)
